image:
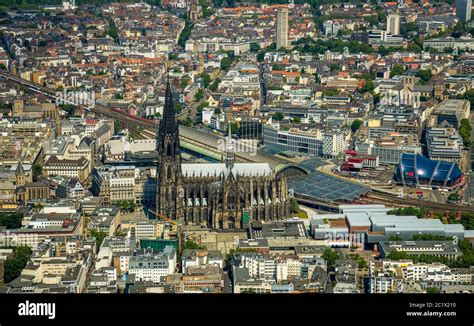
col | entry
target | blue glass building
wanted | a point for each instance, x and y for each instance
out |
(417, 170)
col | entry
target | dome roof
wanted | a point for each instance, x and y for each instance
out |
(415, 168)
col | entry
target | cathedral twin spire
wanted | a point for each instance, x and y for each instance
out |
(168, 172)
(167, 137)
(168, 121)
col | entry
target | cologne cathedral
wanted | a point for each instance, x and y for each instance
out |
(225, 195)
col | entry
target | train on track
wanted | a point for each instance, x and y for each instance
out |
(134, 117)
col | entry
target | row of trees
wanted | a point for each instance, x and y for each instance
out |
(186, 32)
(467, 220)
(404, 211)
(126, 205)
(319, 46)
(11, 220)
(465, 132)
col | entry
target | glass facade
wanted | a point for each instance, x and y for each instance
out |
(417, 170)
(286, 141)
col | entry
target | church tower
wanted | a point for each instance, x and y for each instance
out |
(229, 151)
(193, 12)
(169, 192)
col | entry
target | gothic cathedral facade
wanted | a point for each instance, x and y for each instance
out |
(225, 195)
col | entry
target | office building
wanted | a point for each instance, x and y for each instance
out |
(300, 141)
(444, 144)
(450, 113)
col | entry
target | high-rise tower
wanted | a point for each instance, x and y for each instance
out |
(282, 29)
(393, 24)
(169, 199)
(463, 10)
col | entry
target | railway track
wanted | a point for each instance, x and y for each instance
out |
(148, 128)
(381, 198)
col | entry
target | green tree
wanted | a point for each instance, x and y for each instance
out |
(16, 262)
(467, 220)
(226, 63)
(294, 207)
(132, 206)
(405, 211)
(215, 85)
(361, 263)
(334, 67)
(184, 81)
(424, 75)
(372, 20)
(206, 79)
(254, 47)
(432, 290)
(185, 33)
(193, 245)
(356, 124)
(199, 95)
(206, 10)
(465, 132)
(37, 171)
(369, 86)
(202, 106)
(398, 255)
(117, 126)
(454, 197)
(11, 220)
(99, 237)
(414, 47)
(430, 237)
(234, 127)
(278, 116)
(469, 95)
(397, 70)
(112, 31)
(330, 92)
(187, 122)
(330, 256)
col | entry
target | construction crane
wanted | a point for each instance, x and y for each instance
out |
(179, 231)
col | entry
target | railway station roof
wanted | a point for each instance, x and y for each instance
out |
(323, 186)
